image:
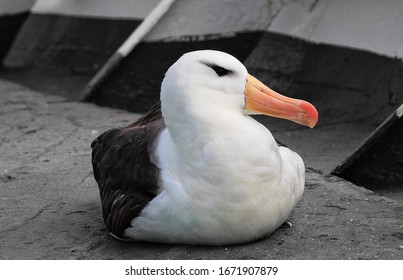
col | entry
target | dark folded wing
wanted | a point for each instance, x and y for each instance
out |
(126, 176)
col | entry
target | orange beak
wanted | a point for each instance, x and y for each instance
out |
(261, 99)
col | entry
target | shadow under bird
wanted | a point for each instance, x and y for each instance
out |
(197, 169)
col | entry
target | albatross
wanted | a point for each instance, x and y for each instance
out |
(197, 169)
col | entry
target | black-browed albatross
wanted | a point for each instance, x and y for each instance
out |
(196, 169)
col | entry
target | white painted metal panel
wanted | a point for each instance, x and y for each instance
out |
(15, 6)
(97, 8)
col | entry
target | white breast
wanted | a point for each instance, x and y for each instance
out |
(234, 190)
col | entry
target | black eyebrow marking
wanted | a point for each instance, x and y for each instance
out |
(221, 71)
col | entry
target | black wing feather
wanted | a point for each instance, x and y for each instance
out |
(126, 176)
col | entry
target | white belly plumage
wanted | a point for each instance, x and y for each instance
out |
(211, 215)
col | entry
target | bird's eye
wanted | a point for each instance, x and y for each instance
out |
(220, 70)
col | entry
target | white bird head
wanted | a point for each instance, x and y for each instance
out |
(217, 80)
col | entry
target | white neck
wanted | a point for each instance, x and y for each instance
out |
(215, 140)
